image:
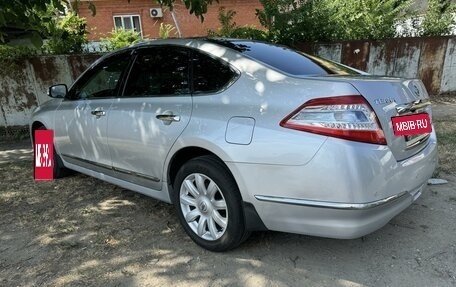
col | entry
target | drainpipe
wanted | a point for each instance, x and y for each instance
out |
(176, 23)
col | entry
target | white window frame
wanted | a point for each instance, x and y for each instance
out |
(131, 19)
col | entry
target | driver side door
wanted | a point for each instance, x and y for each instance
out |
(81, 119)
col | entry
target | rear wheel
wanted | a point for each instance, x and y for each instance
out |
(59, 169)
(209, 204)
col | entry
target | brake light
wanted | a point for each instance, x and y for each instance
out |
(346, 117)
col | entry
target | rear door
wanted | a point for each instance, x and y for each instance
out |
(147, 119)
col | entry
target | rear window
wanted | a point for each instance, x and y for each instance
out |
(286, 59)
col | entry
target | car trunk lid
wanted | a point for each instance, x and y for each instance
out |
(391, 97)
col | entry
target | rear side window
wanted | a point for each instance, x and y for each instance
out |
(210, 75)
(159, 71)
(286, 59)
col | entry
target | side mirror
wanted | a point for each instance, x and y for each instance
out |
(58, 91)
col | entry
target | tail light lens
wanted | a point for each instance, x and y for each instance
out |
(346, 117)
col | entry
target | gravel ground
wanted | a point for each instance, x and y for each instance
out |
(79, 231)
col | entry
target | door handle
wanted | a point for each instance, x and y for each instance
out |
(168, 118)
(98, 112)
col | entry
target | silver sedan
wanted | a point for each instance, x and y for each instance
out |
(242, 135)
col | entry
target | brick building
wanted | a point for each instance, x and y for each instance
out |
(137, 15)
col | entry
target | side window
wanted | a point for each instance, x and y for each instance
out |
(103, 80)
(210, 75)
(159, 71)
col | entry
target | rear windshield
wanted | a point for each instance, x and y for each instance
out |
(286, 60)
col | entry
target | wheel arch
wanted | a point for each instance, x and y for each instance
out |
(183, 155)
(34, 126)
(253, 221)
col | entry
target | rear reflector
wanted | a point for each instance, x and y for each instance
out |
(346, 117)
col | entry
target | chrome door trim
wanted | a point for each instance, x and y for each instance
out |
(111, 168)
(328, 204)
(137, 174)
(105, 166)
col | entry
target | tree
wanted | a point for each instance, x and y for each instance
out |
(291, 21)
(229, 29)
(197, 7)
(121, 38)
(31, 16)
(439, 20)
(67, 35)
(368, 19)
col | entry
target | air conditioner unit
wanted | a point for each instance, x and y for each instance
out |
(156, 12)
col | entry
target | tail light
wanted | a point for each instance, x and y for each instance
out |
(346, 117)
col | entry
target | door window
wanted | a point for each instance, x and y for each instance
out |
(210, 75)
(103, 80)
(159, 71)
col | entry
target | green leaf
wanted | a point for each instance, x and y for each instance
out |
(36, 39)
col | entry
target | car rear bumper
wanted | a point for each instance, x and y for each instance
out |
(346, 191)
(332, 219)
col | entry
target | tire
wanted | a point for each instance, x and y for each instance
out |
(59, 169)
(209, 205)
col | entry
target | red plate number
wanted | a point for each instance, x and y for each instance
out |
(412, 124)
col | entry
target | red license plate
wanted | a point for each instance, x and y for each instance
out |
(412, 124)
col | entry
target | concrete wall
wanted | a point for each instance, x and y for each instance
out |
(23, 85)
(432, 59)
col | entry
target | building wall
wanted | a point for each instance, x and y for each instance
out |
(102, 23)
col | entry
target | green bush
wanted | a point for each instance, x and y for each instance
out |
(11, 54)
(165, 30)
(229, 29)
(121, 38)
(12, 57)
(68, 35)
(290, 21)
(439, 19)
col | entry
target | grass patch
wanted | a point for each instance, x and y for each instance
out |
(446, 138)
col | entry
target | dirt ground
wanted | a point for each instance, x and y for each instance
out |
(79, 231)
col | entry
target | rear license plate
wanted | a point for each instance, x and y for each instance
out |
(412, 124)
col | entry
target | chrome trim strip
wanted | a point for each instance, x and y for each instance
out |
(417, 141)
(328, 204)
(152, 178)
(88, 161)
(412, 107)
(121, 170)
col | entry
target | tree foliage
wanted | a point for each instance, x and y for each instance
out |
(368, 19)
(197, 7)
(290, 21)
(32, 15)
(121, 38)
(228, 28)
(67, 35)
(439, 19)
(165, 30)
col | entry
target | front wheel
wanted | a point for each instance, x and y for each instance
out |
(209, 204)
